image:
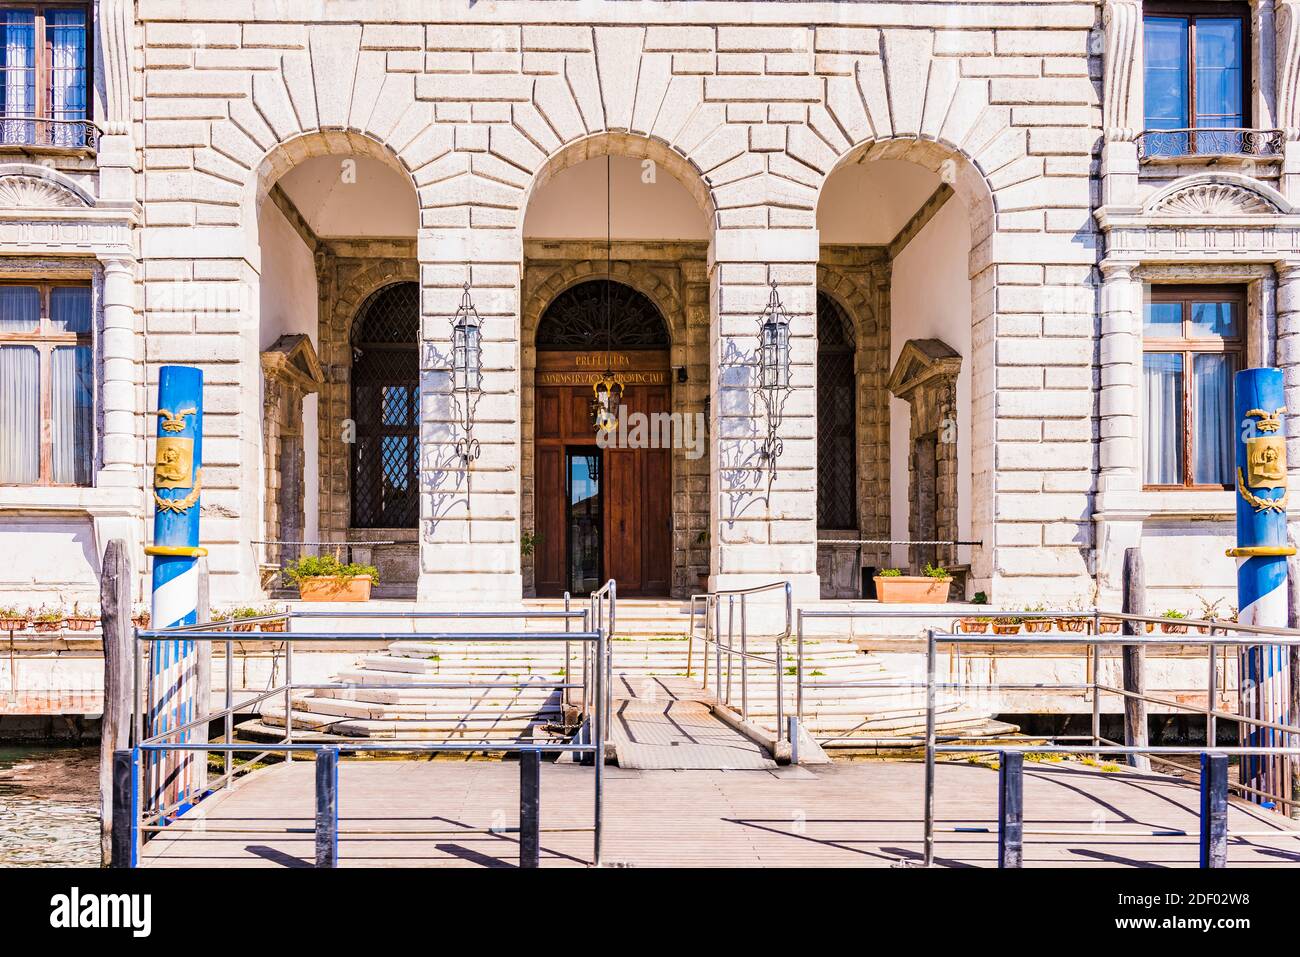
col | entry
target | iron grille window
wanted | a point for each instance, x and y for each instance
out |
(44, 74)
(837, 420)
(575, 319)
(386, 409)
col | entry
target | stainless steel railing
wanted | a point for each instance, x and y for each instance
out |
(150, 815)
(734, 645)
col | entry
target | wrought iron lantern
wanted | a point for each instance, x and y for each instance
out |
(467, 371)
(607, 396)
(773, 369)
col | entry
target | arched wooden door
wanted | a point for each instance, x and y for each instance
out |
(601, 512)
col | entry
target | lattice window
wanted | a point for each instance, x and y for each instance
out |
(386, 409)
(837, 420)
(575, 319)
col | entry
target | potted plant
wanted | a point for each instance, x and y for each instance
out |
(1209, 612)
(141, 617)
(973, 626)
(1172, 626)
(1035, 625)
(325, 578)
(82, 619)
(1109, 626)
(239, 616)
(1073, 623)
(11, 619)
(276, 625)
(47, 618)
(930, 588)
(1006, 625)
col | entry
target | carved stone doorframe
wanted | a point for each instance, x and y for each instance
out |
(292, 371)
(925, 376)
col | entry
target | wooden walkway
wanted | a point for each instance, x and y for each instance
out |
(866, 814)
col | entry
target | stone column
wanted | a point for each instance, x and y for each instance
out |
(1119, 408)
(121, 444)
(763, 522)
(1287, 300)
(1122, 100)
(1287, 93)
(470, 512)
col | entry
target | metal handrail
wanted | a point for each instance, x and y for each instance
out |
(606, 597)
(44, 132)
(712, 635)
(590, 741)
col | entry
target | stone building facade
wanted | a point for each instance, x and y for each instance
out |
(972, 185)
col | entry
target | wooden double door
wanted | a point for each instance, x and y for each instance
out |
(601, 512)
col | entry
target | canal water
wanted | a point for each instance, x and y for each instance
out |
(49, 806)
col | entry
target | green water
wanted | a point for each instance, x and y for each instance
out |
(49, 807)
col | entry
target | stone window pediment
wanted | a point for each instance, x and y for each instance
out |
(293, 359)
(922, 361)
(1215, 195)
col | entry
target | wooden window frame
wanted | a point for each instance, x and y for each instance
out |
(46, 340)
(1188, 347)
(1211, 11)
(44, 53)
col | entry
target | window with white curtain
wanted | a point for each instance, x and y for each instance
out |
(47, 384)
(44, 71)
(1192, 345)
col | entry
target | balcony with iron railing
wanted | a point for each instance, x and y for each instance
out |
(1208, 143)
(48, 134)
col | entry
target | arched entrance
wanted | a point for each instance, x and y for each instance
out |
(602, 512)
(386, 409)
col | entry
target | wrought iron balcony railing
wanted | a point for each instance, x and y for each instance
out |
(45, 133)
(1208, 141)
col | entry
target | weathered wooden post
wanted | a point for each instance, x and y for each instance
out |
(327, 807)
(1214, 810)
(530, 801)
(1134, 676)
(119, 644)
(1011, 809)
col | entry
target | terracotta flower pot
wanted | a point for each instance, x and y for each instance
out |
(244, 626)
(274, 626)
(1071, 624)
(1109, 626)
(328, 588)
(13, 624)
(142, 621)
(1035, 625)
(1169, 628)
(913, 589)
(970, 626)
(82, 623)
(48, 626)
(1006, 629)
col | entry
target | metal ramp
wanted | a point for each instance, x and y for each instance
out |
(660, 724)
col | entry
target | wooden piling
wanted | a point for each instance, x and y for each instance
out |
(1214, 810)
(119, 639)
(1011, 809)
(530, 799)
(1134, 660)
(123, 775)
(327, 807)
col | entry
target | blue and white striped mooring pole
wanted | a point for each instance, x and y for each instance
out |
(1262, 551)
(173, 665)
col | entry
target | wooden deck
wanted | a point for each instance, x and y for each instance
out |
(866, 814)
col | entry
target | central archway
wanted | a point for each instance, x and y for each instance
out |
(604, 509)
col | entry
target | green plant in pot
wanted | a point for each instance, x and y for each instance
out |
(1173, 625)
(13, 619)
(325, 578)
(929, 588)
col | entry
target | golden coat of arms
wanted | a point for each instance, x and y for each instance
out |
(174, 465)
(1266, 461)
